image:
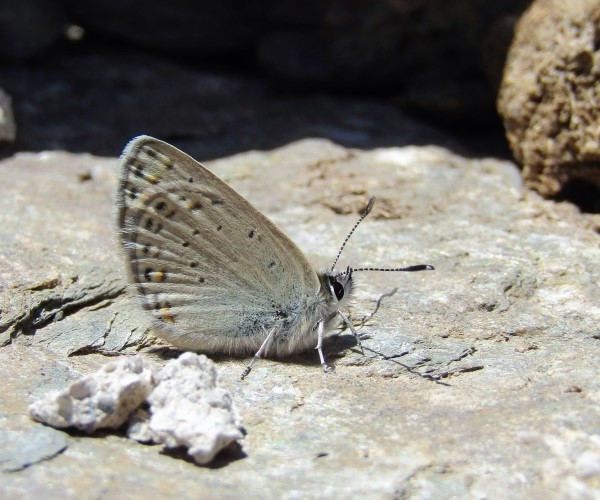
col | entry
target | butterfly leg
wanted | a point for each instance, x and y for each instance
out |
(352, 329)
(261, 350)
(319, 348)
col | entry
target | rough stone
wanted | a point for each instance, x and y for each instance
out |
(550, 93)
(188, 409)
(23, 448)
(104, 399)
(181, 406)
(69, 250)
(479, 378)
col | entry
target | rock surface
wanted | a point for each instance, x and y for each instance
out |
(20, 449)
(185, 407)
(478, 379)
(188, 409)
(103, 400)
(550, 93)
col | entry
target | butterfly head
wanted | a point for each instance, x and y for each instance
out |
(340, 286)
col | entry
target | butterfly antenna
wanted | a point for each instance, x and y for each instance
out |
(360, 219)
(418, 267)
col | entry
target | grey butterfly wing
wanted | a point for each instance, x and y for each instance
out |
(213, 271)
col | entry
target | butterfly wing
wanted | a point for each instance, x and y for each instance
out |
(214, 272)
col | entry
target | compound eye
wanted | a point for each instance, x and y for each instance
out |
(338, 290)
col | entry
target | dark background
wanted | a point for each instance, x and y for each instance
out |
(216, 78)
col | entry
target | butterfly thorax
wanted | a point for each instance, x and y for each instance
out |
(297, 328)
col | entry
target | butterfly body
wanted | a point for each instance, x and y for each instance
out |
(214, 273)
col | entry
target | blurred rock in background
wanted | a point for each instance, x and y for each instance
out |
(550, 99)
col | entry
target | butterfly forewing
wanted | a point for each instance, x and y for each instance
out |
(205, 261)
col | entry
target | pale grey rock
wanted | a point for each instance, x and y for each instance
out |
(573, 463)
(74, 251)
(515, 292)
(188, 409)
(137, 426)
(24, 447)
(104, 399)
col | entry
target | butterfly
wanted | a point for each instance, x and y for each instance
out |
(214, 273)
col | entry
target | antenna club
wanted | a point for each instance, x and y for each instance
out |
(369, 206)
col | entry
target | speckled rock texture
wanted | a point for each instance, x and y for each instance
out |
(479, 379)
(23, 447)
(180, 406)
(550, 94)
(104, 399)
(188, 409)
